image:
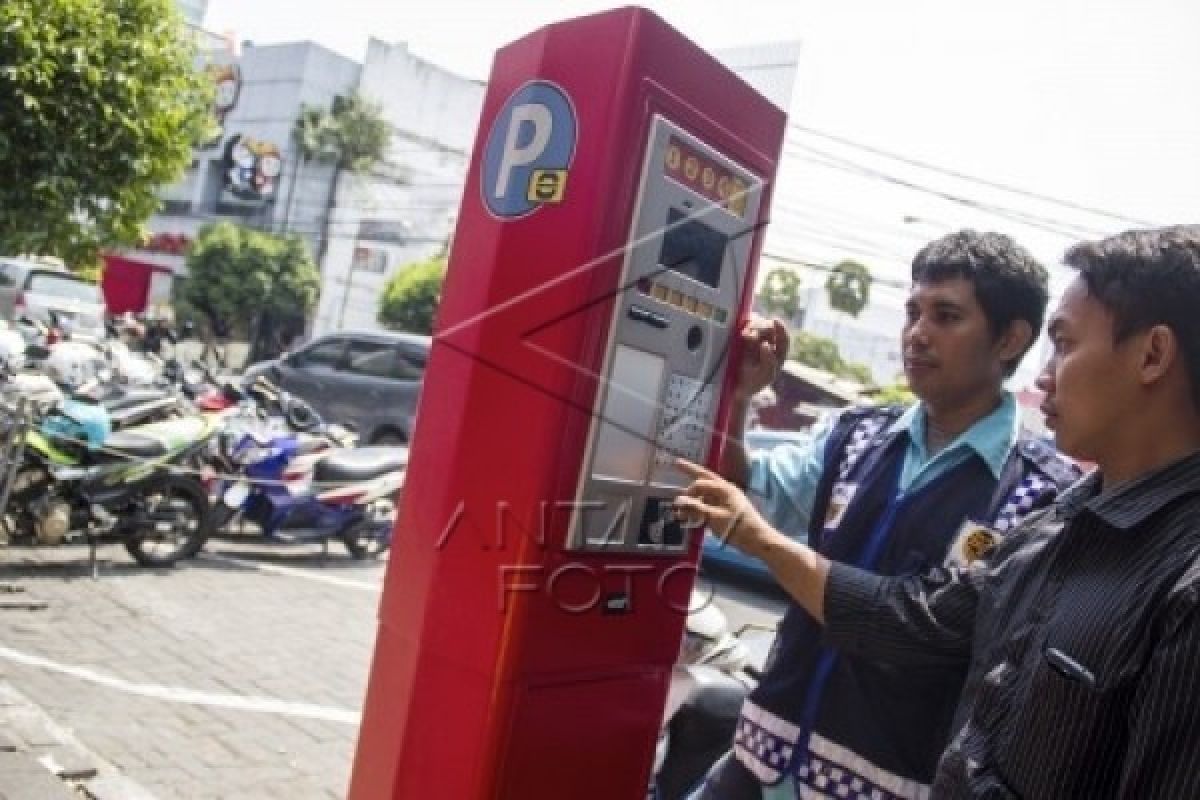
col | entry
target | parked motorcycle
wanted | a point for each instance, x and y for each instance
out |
(85, 375)
(298, 488)
(78, 480)
(716, 670)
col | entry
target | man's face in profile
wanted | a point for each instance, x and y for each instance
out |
(1090, 380)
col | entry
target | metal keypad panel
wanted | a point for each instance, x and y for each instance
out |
(683, 426)
(672, 323)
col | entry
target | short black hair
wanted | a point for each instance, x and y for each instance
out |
(1009, 282)
(1146, 278)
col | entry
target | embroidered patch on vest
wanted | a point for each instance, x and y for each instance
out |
(839, 500)
(972, 542)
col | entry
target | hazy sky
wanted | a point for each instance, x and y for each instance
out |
(1091, 101)
(1094, 101)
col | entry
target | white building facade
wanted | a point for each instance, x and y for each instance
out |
(404, 211)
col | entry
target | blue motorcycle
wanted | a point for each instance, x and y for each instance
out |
(300, 488)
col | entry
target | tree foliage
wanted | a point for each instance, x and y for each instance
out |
(100, 104)
(780, 293)
(849, 287)
(353, 136)
(895, 394)
(248, 282)
(822, 353)
(411, 297)
(312, 134)
(356, 134)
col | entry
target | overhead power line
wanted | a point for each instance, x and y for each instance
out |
(1068, 230)
(823, 266)
(963, 176)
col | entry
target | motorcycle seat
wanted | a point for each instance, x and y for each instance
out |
(715, 694)
(133, 445)
(133, 397)
(360, 464)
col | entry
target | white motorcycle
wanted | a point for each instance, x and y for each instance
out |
(717, 668)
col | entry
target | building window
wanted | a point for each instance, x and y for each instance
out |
(369, 259)
(393, 231)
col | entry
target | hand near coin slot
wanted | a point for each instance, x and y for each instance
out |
(712, 501)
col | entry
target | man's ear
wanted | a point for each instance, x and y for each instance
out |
(1015, 340)
(1159, 351)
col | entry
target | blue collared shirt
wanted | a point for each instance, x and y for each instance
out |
(783, 480)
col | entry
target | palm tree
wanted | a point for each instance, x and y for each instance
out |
(311, 140)
(780, 293)
(849, 287)
(356, 135)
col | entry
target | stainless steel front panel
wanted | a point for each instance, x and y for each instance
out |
(672, 327)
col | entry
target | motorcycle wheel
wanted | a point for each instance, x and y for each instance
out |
(180, 503)
(363, 539)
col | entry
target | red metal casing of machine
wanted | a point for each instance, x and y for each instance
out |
(604, 253)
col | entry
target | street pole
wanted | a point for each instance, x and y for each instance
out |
(287, 207)
(346, 287)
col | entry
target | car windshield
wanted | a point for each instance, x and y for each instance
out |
(64, 286)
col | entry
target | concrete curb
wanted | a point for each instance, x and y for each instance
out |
(41, 759)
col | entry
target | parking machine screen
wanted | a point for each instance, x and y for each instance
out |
(693, 248)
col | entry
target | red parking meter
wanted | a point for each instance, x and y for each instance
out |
(536, 592)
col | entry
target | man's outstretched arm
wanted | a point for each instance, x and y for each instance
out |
(924, 619)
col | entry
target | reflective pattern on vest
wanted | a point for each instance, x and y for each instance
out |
(863, 456)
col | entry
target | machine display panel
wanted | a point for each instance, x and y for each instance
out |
(673, 321)
(692, 248)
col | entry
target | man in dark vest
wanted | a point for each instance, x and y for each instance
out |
(895, 491)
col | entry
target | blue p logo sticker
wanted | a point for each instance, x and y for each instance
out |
(529, 151)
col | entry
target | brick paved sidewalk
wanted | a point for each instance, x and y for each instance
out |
(213, 680)
(41, 760)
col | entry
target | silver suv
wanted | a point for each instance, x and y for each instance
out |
(41, 291)
(367, 380)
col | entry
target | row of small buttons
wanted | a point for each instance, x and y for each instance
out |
(676, 298)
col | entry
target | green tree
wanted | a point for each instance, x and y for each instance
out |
(823, 353)
(354, 137)
(780, 293)
(815, 351)
(411, 297)
(312, 141)
(100, 105)
(246, 282)
(895, 394)
(849, 287)
(859, 373)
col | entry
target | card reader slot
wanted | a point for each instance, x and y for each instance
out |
(649, 317)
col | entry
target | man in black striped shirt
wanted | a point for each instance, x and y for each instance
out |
(1082, 630)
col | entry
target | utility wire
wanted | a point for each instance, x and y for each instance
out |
(963, 176)
(1065, 229)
